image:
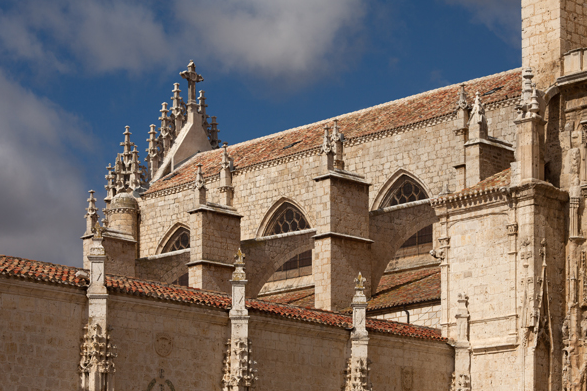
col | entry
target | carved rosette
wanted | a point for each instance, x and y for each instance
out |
(238, 371)
(96, 363)
(357, 375)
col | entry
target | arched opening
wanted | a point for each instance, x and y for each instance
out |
(405, 190)
(287, 218)
(180, 240)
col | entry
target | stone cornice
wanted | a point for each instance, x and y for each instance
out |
(344, 175)
(216, 208)
(207, 262)
(341, 236)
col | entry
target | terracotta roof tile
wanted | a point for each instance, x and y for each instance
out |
(13, 267)
(379, 118)
(412, 292)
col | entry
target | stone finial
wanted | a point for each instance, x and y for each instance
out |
(462, 101)
(239, 264)
(226, 189)
(200, 187)
(202, 104)
(91, 215)
(134, 181)
(534, 104)
(214, 141)
(192, 77)
(326, 150)
(337, 139)
(177, 109)
(527, 88)
(478, 121)
(110, 184)
(152, 152)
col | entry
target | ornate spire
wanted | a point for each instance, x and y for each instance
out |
(359, 305)
(214, 141)
(534, 104)
(152, 152)
(178, 110)
(110, 184)
(202, 105)
(226, 189)
(478, 121)
(91, 215)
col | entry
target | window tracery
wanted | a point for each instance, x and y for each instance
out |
(287, 218)
(403, 191)
(178, 241)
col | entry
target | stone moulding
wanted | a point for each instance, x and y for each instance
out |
(350, 142)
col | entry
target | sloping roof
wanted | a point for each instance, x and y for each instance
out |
(387, 116)
(35, 271)
(395, 289)
(421, 287)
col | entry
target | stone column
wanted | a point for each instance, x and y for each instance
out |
(214, 237)
(239, 373)
(357, 372)
(97, 351)
(341, 245)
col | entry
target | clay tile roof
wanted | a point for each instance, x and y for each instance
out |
(14, 267)
(40, 271)
(416, 287)
(395, 289)
(384, 117)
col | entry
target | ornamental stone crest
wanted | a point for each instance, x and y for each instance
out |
(96, 363)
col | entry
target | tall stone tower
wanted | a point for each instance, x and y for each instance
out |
(551, 28)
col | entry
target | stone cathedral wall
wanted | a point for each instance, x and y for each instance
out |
(428, 152)
(160, 343)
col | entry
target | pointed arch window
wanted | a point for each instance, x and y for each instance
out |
(287, 218)
(403, 191)
(178, 241)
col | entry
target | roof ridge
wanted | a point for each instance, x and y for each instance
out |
(359, 111)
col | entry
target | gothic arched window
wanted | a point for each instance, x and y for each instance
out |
(403, 191)
(178, 241)
(286, 219)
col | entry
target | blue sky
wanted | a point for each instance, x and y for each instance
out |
(73, 73)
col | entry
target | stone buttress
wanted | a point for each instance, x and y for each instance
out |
(341, 244)
(215, 236)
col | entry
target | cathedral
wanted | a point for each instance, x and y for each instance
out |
(435, 242)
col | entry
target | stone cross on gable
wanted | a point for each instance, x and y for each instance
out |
(192, 77)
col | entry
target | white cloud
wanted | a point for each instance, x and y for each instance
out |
(266, 38)
(502, 17)
(42, 197)
(272, 37)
